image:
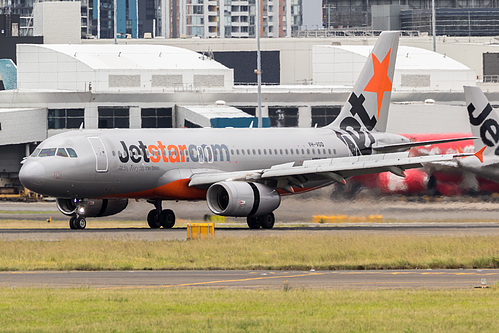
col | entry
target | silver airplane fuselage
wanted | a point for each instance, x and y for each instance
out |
(157, 163)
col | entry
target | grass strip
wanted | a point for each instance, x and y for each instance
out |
(226, 310)
(23, 212)
(288, 252)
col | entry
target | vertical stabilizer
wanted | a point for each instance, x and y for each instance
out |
(484, 120)
(368, 103)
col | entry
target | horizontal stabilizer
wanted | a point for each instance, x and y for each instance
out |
(479, 154)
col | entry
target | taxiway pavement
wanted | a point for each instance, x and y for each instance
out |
(388, 279)
(147, 234)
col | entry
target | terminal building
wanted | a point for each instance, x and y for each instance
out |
(163, 83)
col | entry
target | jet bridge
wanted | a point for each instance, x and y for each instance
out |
(218, 116)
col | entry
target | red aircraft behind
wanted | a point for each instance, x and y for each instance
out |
(433, 179)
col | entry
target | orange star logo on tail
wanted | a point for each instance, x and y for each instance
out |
(380, 82)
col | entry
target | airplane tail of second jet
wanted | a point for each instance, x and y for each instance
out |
(484, 121)
(368, 103)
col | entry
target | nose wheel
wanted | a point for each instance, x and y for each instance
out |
(77, 222)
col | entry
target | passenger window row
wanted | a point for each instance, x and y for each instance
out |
(281, 151)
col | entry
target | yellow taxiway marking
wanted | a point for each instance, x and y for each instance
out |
(214, 282)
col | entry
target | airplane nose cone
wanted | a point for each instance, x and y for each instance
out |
(32, 175)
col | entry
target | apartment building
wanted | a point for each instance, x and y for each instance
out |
(229, 18)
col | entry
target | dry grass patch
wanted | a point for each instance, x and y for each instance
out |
(324, 252)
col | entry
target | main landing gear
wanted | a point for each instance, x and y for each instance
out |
(77, 222)
(160, 217)
(264, 221)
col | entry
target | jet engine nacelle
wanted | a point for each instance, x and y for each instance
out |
(242, 199)
(91, 207)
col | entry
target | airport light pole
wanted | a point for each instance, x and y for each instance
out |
(258, 65)
(115, 23)
(433, 25)
(98, 19)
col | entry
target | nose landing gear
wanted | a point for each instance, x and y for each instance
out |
(77, 222)
(160, 218)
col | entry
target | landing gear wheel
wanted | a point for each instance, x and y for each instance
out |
(267, 221)
(153, 219)
(72, 222)
(253, 222)
(167, 218)
(80, 223)
(77, 222)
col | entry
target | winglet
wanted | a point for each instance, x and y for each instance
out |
(460, 150)
(479, 154)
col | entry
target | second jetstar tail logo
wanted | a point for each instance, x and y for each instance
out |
(489, 128)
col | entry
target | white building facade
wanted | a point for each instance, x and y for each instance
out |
(118, 68)
(416, 69)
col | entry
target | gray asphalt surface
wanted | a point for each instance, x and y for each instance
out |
(147, 234)
(391, 279)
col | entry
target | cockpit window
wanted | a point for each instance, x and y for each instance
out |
(47, 152)
(35, 153)
(62, 152)
(72, 153)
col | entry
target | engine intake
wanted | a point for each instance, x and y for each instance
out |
(91, 208)
(242, 199)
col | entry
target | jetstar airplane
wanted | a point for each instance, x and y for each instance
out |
(239, 172)
(465, 175)
(484, 123)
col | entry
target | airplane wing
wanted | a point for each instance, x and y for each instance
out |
(398, 147)
(335, 169)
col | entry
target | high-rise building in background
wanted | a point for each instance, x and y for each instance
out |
(102, 15)
(453, 17)
(279, 18)
(229, 18)
(97, 16)
(24, 8)
(174, 18)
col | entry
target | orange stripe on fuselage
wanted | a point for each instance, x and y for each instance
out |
(180, 190)
(176, 190)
